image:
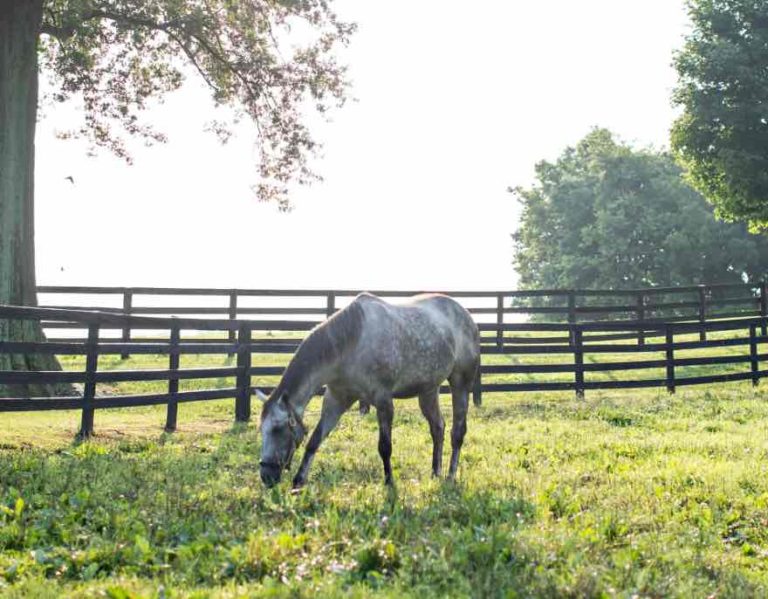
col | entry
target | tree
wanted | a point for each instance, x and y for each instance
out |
(607, 216)
(721, 138)
(114, 55)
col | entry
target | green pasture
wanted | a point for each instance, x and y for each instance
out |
(624, 494)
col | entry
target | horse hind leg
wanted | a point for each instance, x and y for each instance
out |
(429, 402)
(460, 400)
(385, 411)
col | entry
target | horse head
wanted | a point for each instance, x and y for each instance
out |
(282, 431)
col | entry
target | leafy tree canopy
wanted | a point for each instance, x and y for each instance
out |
(268, 59)
(722, 136)
(607, 216)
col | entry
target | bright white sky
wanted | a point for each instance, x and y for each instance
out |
(456, 101)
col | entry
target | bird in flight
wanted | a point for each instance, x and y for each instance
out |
(70, 179)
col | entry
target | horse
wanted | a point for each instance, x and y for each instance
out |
(373, 351)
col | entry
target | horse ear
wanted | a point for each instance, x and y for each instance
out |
(261, 396)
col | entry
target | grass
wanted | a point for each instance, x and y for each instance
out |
(625, 494)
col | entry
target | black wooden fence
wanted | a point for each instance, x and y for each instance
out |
(507, 347)
(658, 304)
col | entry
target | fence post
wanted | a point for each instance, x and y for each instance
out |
(232, 314)
(641, 318)
(127, 308)
(670, 357)
(702, 312)
(89, 389)
(243, 399)
(571, 312)
(500, 320)
(753, 359)
(330, 305)
(477, 389)
(173, 379)
(764, 306)
(578, 359)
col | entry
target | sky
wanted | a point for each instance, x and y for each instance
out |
(454, 103)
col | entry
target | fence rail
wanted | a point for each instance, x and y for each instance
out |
(700, 302)
(580, 343)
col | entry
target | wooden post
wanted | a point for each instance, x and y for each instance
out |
(330, 305)
(753, 358)
(243, 400)
(173, 379)
(127, 307)
(572, 313)
(578, 359)
(702, 312)
(89, 390)
(477, 389)
(500, 320)
(232, 314)
(641, 318)
(670, 357)
(764, 307)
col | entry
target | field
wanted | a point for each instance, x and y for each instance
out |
(628, 494)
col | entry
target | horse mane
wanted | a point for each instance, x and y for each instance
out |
(327, 342)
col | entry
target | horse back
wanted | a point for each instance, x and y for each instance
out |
(417, 344)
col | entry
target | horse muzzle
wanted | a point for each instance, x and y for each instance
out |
(270, 474)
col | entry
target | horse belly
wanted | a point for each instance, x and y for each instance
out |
(412, 390)
(420, 378)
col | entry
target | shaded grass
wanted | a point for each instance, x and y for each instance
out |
(624, 494)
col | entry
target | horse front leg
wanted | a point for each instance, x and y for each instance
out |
(331, 412)
(385, 411)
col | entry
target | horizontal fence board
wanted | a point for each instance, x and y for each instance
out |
(120, 401)
(729, 301)
(650, 306)
(604, 309)
(106, 348)
(526, 349)
(41, 347)
(107, 290)
(501, 387)
(117, 376)
(534, 310)
(40, 377)
(718, 378)
(23, 404)
(633, 365)
(526, 368)
(641, 384)
(124, 401)
(739, 314)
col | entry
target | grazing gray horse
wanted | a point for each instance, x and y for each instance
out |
(374, 351)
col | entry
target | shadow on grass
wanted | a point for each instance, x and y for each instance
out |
(240, 428)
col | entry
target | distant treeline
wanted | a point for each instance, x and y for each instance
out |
(605, 215)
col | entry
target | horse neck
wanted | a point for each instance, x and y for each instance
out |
(319, 355)
(302, 385)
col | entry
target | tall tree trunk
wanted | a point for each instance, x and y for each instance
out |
(20, 22)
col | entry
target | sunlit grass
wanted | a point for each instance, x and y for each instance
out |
(626, 493)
